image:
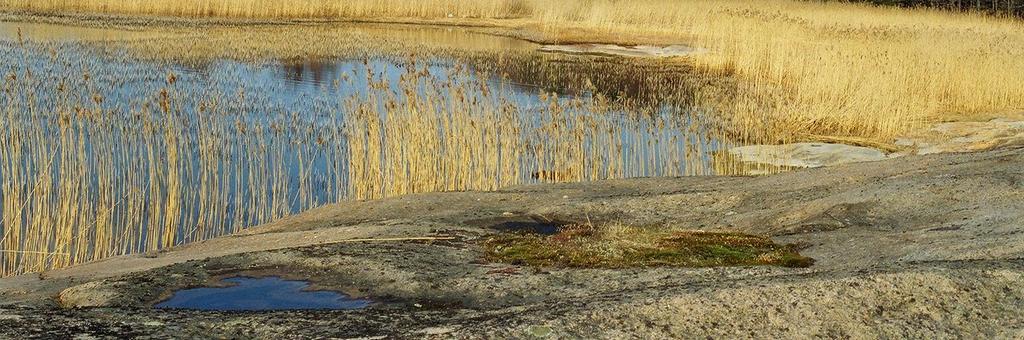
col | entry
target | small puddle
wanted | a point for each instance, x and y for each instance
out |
(531, 227)
(260, 294)
(523, 224)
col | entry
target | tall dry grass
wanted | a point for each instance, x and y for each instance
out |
(287, 9)
(84, 182)
(446, 135)
(827, 68)
(88, 173)
(807, 67)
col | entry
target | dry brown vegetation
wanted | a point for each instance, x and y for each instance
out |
(87, 177)
(819, 68)
(85, 181)
(618, 246)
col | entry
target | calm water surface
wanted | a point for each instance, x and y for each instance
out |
(260, 294)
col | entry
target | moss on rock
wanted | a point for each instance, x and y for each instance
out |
(624, 247)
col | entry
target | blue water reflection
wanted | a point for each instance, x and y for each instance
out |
(261, 294)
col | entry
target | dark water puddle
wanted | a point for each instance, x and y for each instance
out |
(260, 294)
(531, 227)
(523, 224)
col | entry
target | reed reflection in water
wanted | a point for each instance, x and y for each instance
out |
(103, 154)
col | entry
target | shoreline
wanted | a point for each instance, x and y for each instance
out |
(893, 240)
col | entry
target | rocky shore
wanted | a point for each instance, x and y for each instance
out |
(920, 246)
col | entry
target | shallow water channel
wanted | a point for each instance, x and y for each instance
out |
(107, 150)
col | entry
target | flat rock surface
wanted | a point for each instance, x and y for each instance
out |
(624, 51)
(965, 137)
(805, 155)
(914, 247)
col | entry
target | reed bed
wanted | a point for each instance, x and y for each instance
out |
(821, 68)
(85, 179)
(287, 9)
(117, 148)
(454, 136)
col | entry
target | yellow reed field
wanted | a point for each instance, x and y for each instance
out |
(453, 141)
(456, 136)
(286, 9)
(83, 181)
(87, 175)
(806, 67)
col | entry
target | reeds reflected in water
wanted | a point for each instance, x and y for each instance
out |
(105, 154)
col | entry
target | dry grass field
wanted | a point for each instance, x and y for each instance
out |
(820, 68)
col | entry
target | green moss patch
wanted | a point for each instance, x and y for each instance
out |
(625, 247)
